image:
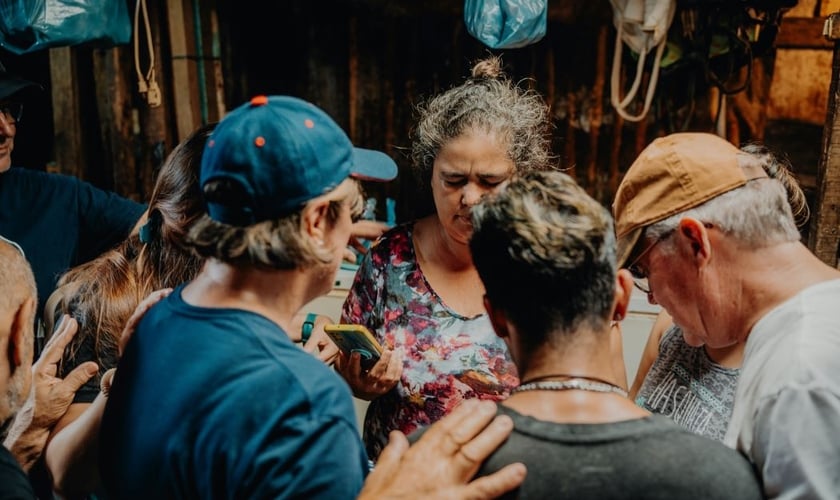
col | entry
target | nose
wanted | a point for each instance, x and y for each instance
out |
(471, 194)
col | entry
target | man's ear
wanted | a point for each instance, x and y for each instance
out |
(21, 342)
(314, 219)
(696, 235)
(498, 319)
(623, 290)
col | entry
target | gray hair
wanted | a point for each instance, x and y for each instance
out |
(545, 251)
(487, 101)
(757, 214)
(274, 244)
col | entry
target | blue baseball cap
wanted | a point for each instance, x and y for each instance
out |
(282, 152)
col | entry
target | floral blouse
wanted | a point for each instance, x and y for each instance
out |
(447, 358)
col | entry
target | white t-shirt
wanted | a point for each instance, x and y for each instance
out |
(786, 417)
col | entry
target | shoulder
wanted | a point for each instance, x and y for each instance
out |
(716, 470)
(19, 179)
(393, 249)
(393, 239)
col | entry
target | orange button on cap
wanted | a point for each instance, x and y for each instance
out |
(259, 100)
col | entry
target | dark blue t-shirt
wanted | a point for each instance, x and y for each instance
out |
(60, 221)
(219, 403)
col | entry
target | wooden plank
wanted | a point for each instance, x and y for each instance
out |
(353, 80)
(113, 102)
(800, 85)
(824, 235)
(70, 155)
(184, 74)
(596, 113)
(156, 134)
(803, 8)
(802, 33)
(829, 7)
(216, 79)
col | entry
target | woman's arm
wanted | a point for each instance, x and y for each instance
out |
(651, 352)
(72, 455)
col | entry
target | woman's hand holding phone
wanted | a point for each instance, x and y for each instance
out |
(370, 384)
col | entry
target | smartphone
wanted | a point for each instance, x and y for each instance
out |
(356, 338)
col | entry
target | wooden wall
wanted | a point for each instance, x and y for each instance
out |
(369, 62)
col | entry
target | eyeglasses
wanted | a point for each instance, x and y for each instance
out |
(12, 111)
(640, 278)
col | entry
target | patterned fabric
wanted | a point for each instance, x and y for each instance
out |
(685, 385)
(447, 358)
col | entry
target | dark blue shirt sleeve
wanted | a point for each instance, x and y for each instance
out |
(105, 219)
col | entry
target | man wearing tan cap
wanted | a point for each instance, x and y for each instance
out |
(708, 233)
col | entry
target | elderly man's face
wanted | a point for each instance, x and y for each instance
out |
(688, 275)
(8, 129)
(676, 285)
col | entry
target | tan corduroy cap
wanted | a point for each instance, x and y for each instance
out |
(673, 174)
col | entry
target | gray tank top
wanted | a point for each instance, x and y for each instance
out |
(685, 385)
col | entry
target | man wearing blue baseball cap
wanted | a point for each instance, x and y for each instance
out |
(212, 398)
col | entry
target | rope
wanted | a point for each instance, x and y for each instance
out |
(146, 83)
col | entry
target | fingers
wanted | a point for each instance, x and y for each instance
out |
(48, 361)
(79, 376)
(395, 367)
(496, 484)
(64, 333)
(381, 378)
(349, 256)
(380, 369)
(393, 452)
(141, 309)
(384, 481)
(327, 352)
(463, 424)
(384, 375)
(474, 452)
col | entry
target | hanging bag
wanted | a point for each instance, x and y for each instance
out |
(31, 25)
(506, 24)
(643, 26)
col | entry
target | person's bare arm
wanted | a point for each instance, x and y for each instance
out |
(617, 348)
(442, 463)
(363, 230)
(651, 352)
(72, 454)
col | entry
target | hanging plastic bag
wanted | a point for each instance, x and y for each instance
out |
(32, 25)
(506, 24)
(642, 25)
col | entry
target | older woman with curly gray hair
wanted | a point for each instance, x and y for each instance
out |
(417, 289)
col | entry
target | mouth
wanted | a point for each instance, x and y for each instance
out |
(465, 220)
